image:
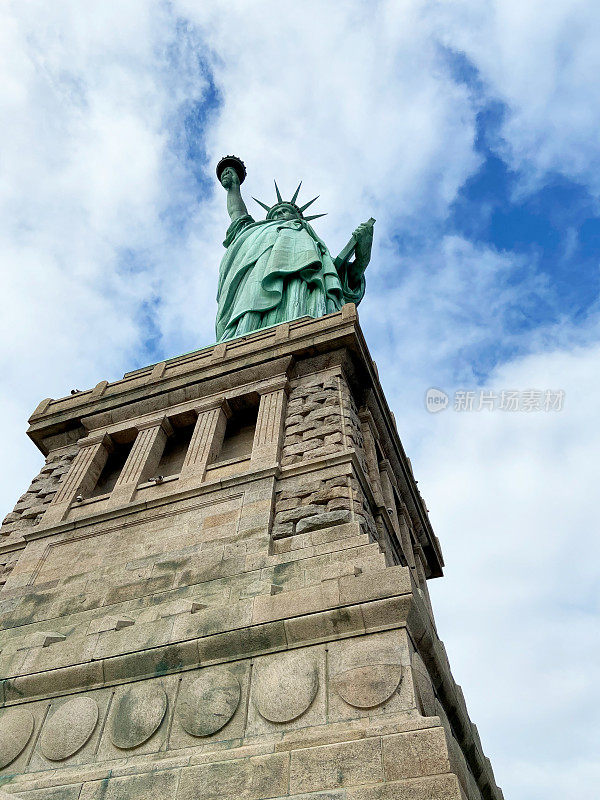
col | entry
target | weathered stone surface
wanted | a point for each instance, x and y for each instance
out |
(315, 412)
(306, 503)
(54, 682)
(367, 687)
(423, 686)
(296, 602)
(111, 623)
(318, 521)
(388, 583)
(440, 787)
(159, 785)
(16, 727)
(44, 639)
(415, 753)
(285, 687)
(324, 626)
(386, 613)
(69, 728)
(241, 643)
(137, 714)
(69, 792)
(208, 703)
(345, 764)
(31, 506)
(248, 779)
(156, 661)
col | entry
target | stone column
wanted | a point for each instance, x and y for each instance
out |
(421, 578)
(142, 460)
(366, 423)
(398, 519)
(406, 536)
(81, 477)
(206, 440)
(269, 425)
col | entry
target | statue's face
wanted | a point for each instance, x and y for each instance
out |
(284, 212)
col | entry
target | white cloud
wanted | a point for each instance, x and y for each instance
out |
(541, 59)
(354, 102)
(87, 177)
(455, 311)
(512, 498)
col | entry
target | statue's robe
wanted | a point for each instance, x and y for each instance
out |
(275, 271)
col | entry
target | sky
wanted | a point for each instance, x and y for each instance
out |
(469, 130)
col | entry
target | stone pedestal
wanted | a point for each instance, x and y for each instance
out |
(254, 623)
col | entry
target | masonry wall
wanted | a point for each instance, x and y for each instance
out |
(258, 628)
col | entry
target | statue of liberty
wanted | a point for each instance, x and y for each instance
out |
(278, 269)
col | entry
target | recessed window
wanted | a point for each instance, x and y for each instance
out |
(239, 435)
(175, 451)
(112, 469)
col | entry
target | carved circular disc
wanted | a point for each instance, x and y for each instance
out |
(209, 702)
(367, 687)
(138, 712)
(16, 727)
(69, 728)
(286, 688)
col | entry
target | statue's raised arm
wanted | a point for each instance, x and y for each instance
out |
(278, 269)
(232, 172)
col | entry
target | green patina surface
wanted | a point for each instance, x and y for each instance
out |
(278, 269)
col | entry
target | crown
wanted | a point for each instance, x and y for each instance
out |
(281, 202)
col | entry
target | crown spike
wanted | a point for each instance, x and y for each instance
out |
(279, 197)
(264, 205)
(310, 202)
(315, 216)
(293, 200)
